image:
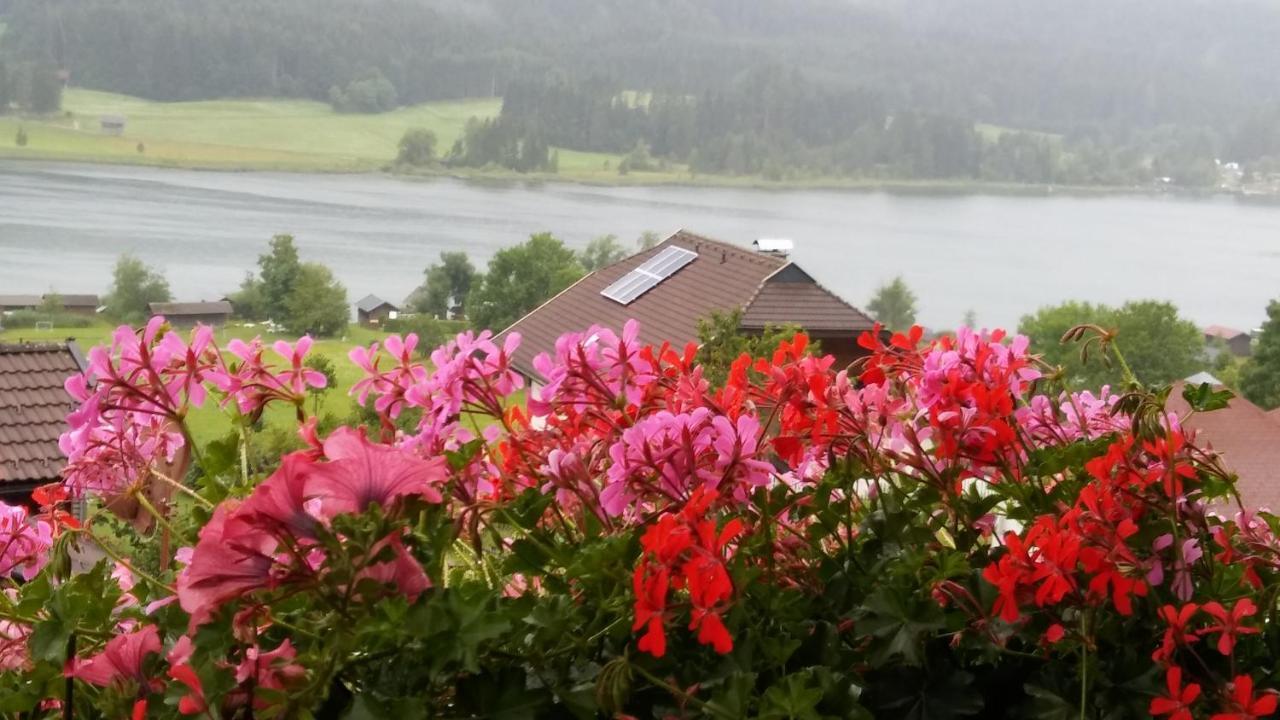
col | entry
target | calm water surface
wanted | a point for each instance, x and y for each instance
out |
(62, 227)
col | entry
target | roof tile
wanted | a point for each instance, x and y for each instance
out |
(33, 405)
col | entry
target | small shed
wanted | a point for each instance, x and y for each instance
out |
(112, 124)
(11, 303)
(78, 304)
(1239, 342)
(189, 314)
(373, 311)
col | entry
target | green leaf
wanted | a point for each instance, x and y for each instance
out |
(1048, 705)
(794, 697)
(1203, 398)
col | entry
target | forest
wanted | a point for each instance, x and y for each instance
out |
(1115, 93)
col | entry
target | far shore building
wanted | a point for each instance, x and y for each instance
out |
(112, 124)
(78, 304)
(1239, 342)
(33, 410)
(373, 311)
(14, 303)
(684, 279)
(189, 314)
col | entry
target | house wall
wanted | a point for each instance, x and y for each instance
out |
(376, 316)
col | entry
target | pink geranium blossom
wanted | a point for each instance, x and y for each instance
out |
(121, 661)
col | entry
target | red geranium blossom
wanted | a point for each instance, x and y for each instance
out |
(1177, 704)
(1230, 623)
(1243, 705)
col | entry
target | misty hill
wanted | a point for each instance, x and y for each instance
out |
(1180, 78)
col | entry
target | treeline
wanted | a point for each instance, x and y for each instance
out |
(1036, 64)
(30, 87)
(778, 124)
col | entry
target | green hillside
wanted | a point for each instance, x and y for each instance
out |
(233, 134)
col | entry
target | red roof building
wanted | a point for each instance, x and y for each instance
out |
(683, 279)
(33, 410)
(1248, 440)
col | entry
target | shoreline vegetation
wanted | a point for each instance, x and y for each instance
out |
(308, 137)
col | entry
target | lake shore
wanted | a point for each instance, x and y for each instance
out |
(500, 176)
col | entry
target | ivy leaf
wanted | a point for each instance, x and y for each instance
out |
(1203, 398)
(794, 697)
(1048, 705)
(900, 623)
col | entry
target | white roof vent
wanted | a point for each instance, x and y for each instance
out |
(774, 246)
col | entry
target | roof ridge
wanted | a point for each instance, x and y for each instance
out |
(744, 253)
(39, 346)
(814, 281)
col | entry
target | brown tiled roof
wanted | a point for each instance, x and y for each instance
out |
(1224, 332)
(792, 297)
(33, 408)
(1247, 438)
(178, 309)
(79, 300)
(723, 277)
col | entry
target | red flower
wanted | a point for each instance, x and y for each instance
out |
(1176, 634)
(121, 660)
(1229, 623)
(1243, 705)
(193, 702)
(1177, 704)
(685, 551)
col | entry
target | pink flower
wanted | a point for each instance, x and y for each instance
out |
(121, 660)
(230, 559)
(360, 474)
(298, 377)
(274, 670)
(24, 542)
(403, 571)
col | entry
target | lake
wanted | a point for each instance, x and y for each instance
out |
(62, 227)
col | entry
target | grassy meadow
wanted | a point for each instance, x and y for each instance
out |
(232, 134)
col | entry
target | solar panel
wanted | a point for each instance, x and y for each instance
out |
(644, 278)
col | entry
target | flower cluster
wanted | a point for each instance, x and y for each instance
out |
(271, 539)
(931, 506)
(137, 392)
(684, 551)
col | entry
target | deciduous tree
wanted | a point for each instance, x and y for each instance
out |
(1158, 344)
(317, 303)
(519, 279)
(604, 250)
(133, 286)
(894, 305)
(446, 286)
(1260, 376)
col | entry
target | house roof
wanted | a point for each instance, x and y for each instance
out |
(792, 297)
(33, 410)
(723, 277)
(78, 300)
(1247, 438)
(369, 303)
(178, 309)
(1224, 332)
(19, 300)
